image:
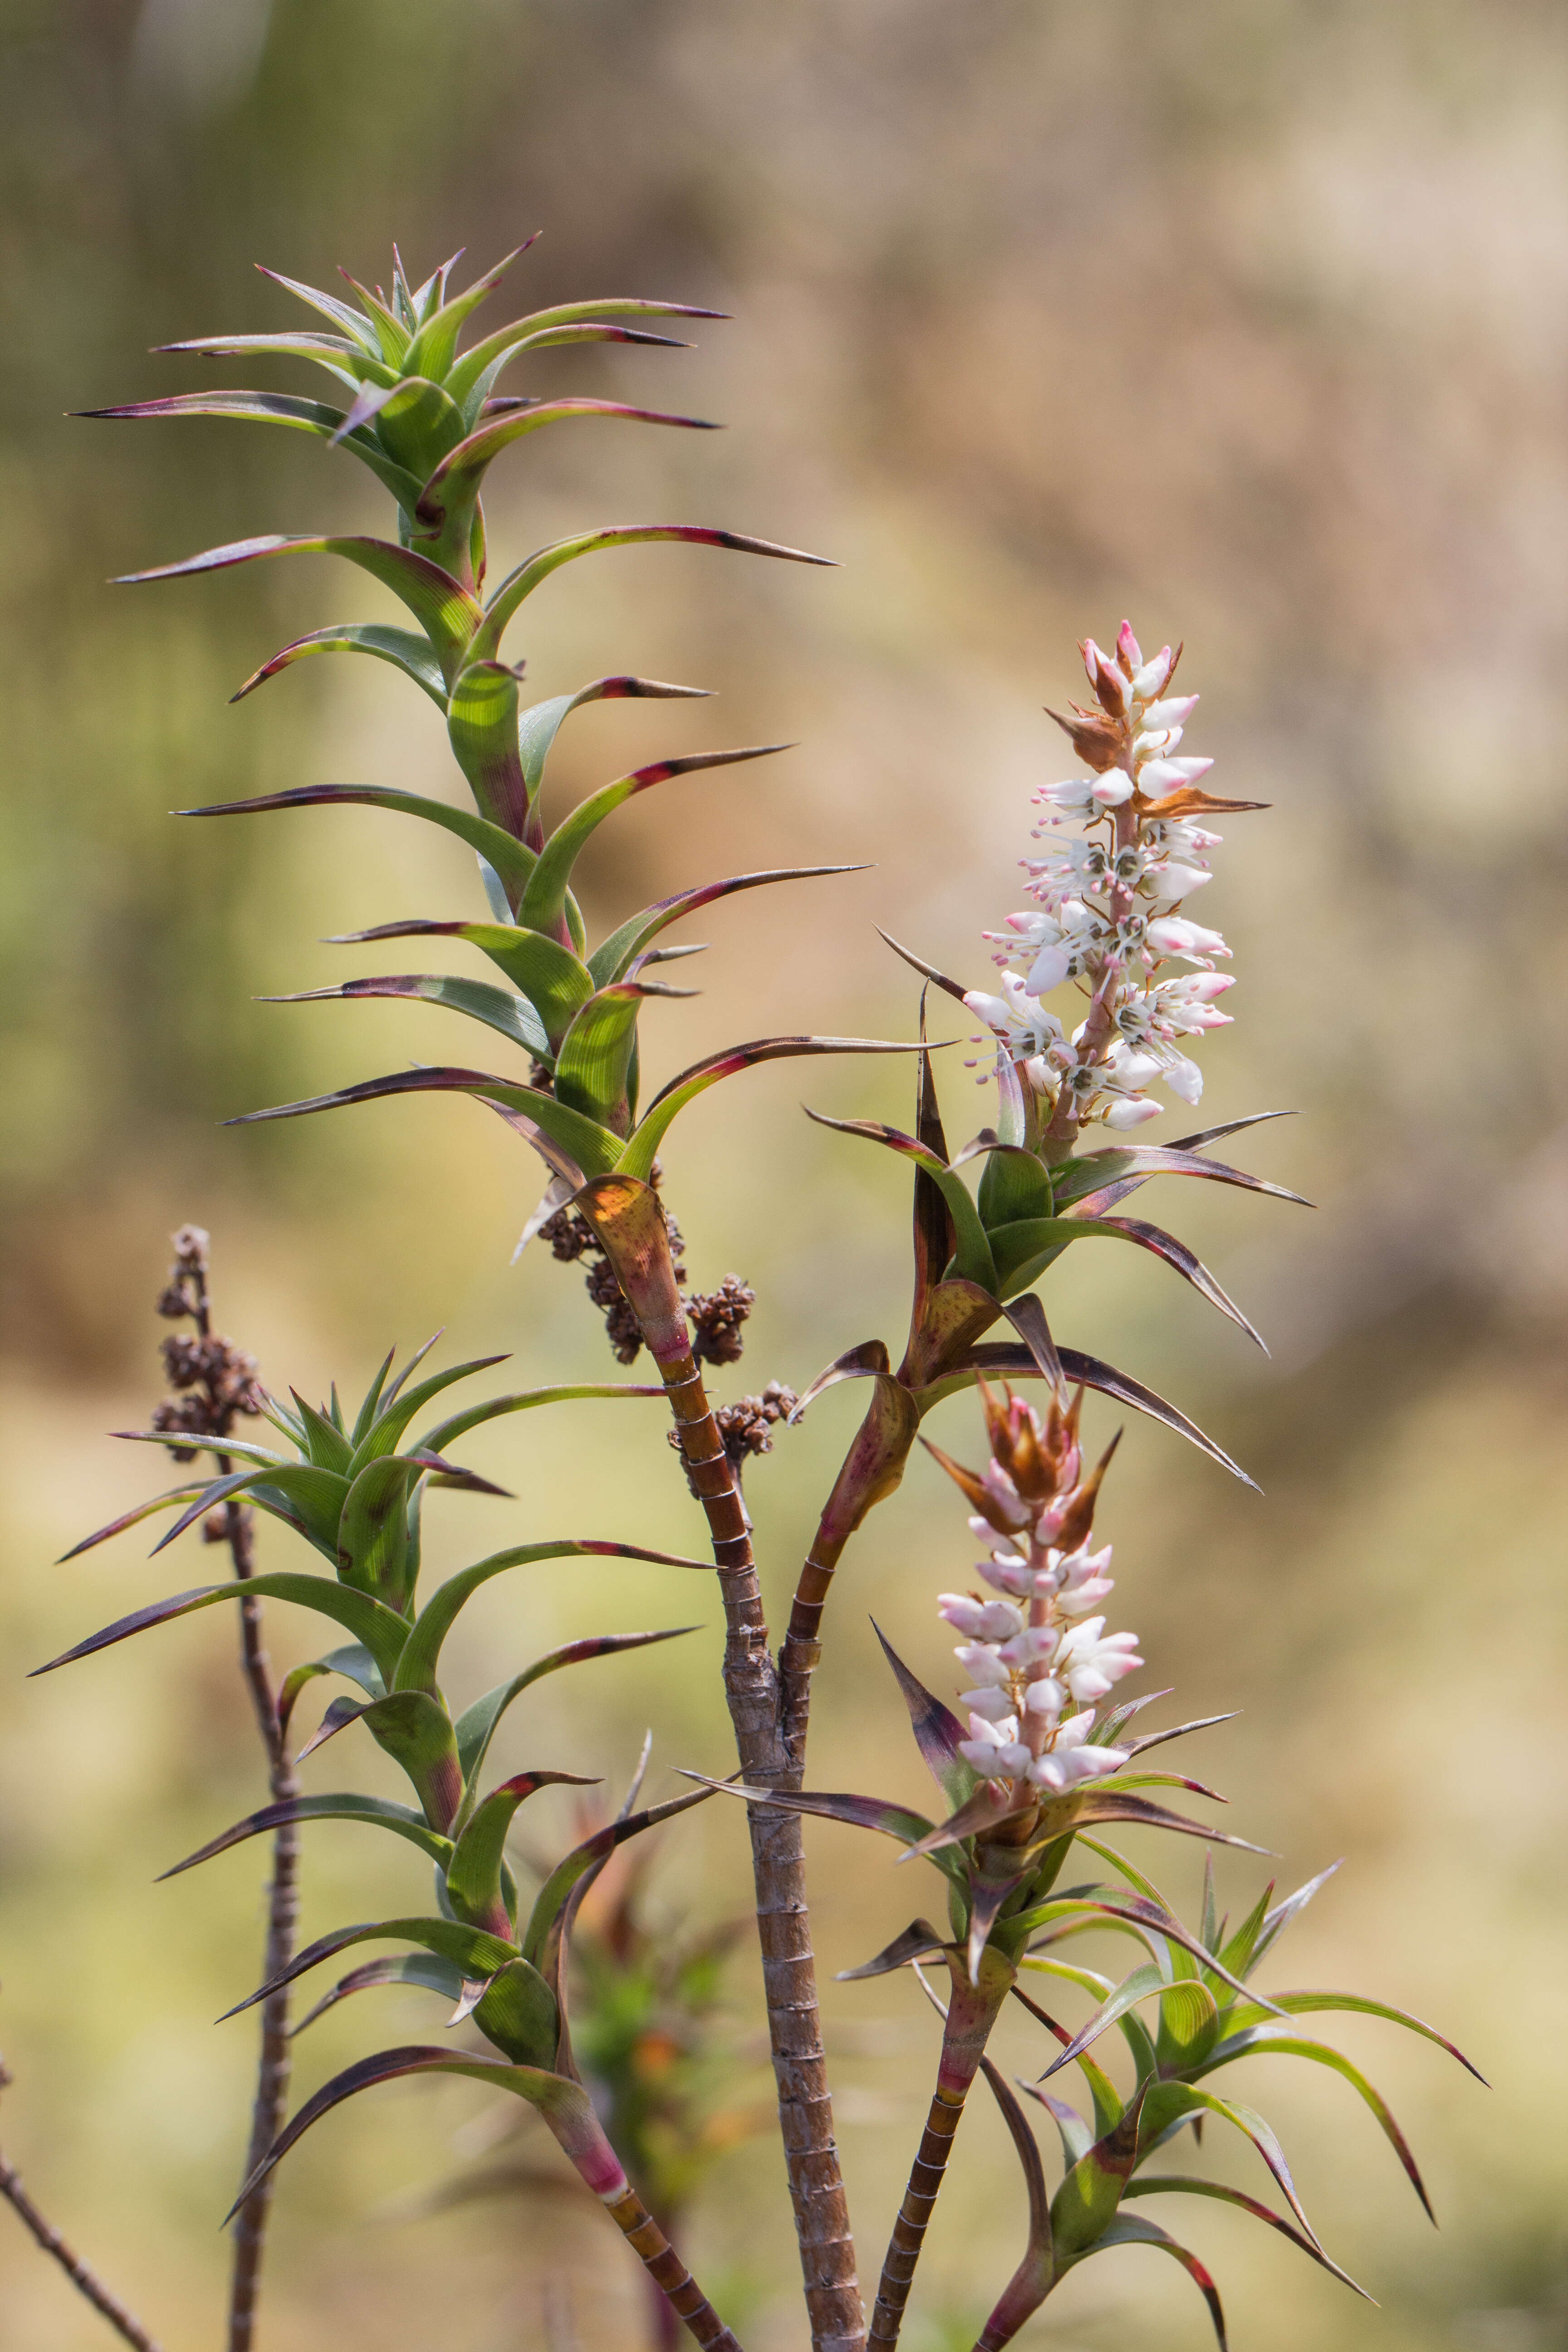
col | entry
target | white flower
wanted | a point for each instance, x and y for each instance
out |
(1029, 1648)
(1073, 798)
(1114, 787)
(1170, 881)
(1158, 777)
(1017, 1018)
(1076, 1579)
(1009, 1504)
(1003, 1569)
(994, 1748)
(1149, 677)
(1173, 935)
(996, 1706)
(1091, 1660)
(1047, 1697)
(1061, 1767)
(982, 1665)
(1172, 712)
(982, 1621)
(1131, 1110)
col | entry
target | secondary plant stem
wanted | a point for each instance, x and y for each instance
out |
(124, 2323)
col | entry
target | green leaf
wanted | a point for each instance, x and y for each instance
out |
(1168, 2103)
(347, 1806)
(1273, 2040)
(593, 1068)
(999, 1359)
(856, 1812)
(415, 1731)
(1189, 2026)
(564, 2105)
(434, 346)
(1085, 2205)
(490, 354)
(610, 962)
(937, 1730)
(330, 352)
(404, 648)
(381, 1633)
(474, 1872)
(446, 1432)
(510, 860)
(637, 1158)
(1183, 2184)
(522, 583)
(555, 982)
(1014, 1184)
(478, 1723)
(401, 1406)
(471, 1949)
(442, 606)
(972, 1260)
(1017, 1243)
(592, 1149)
(416, 1670)
(373, 1535)
(447, 498)
(359, 330)
(422, 1968)
(1078, 1180)
(1131, 2229)
(416, 423)
(277, 408)
(482, 726)
(516, 2011)
(326, 1444)
(1300, 2004)
(554, 1895)
(545, 900)
(513, 1016)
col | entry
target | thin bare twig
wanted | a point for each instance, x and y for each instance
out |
(220, 1374)
(86, 2281)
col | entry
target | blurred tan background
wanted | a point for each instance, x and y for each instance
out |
(1244, 320)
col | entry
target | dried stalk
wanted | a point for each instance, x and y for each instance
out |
(124, 2323)
(235, 1526)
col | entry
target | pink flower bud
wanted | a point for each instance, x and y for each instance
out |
(1131, 1110)
(1149, 677)
(1111, 789)
(1128, 648)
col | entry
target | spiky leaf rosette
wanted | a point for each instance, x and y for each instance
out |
(425, 418)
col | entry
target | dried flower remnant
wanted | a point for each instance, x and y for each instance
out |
(1110, 915)
(1039, 1661)
(717, 1316)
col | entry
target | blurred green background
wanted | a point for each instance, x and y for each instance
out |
(1244, 320)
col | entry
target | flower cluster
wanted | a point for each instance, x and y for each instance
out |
(1108, 913)
(1039, 1661)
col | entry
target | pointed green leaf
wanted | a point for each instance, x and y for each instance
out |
(545, 900)
(474, 1872)
(591, 1149)
(610, 962)
(638, 1157)
(418, 1663)
(1131, 2229)
(522, 583)
(404, 648)
(486, 357)
(347, 1806)
(510, 860)
(973, 1259)
(442, 608)
(382, 1632)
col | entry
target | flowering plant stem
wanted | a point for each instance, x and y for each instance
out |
(753, 1693)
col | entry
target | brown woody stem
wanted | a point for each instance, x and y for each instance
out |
(124, 2323)
(914, 2216)
(630, 1224)
(670, 2274)
(970, 2014)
